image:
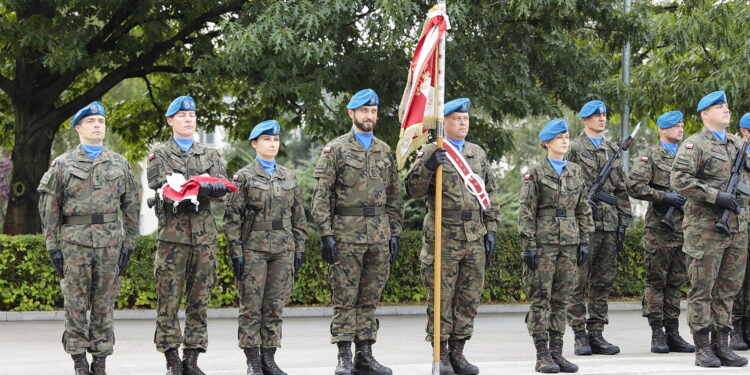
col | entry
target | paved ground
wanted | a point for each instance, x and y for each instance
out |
(500, 346)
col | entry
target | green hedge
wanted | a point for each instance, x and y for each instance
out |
(28, 281)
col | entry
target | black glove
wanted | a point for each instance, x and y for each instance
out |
(728, 201)
(328, 248)
(530, 258)
(621, 237)
(437, 158)
(124, 259)
(582, 255)
(299, 258)
(489, 246)
(673, 199)
(394, 245)
(219, 189)
(57, 261)
(238, 267)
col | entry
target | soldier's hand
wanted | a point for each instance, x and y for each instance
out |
(530, 258)
(122, 263)
(489, 247)
(238, 266)
(728, 201)
(621, 237)
(394, 245)
(219, 189)
(328, 248)
(582, 255)
(299, 258)
(57, 261)
(437, 158)
(673, 199)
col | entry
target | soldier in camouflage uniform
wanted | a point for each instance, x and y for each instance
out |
(266, 229)
(186, 239)
(664, 261)
(716, 261)
(740, 337)
(81, 197)
(468, 237)
(358, 209)
(554, 222)
(590, 151)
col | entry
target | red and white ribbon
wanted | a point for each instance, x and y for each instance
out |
(472, 181)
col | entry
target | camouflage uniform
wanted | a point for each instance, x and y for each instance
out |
(664, 261)
(352, 181)
(554, 217)
(186, 247)
(80, 199)
(462, 248)
(268, 246)
(741, 307)
(598, 274)
(716, 262)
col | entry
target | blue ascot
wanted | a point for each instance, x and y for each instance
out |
(720, 135)
(459, 144)
(268, 166)
(557, 165)
(596, 141)
(670, 147)
(184, 144)
(365, 139)
(92, 151)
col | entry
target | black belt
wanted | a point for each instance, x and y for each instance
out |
(272, 225)
(90, 219)
(555, 212)
(461, 215)
(360, 211)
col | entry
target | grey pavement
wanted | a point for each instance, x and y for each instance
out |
(500, 345)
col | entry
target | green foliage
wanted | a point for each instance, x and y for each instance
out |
(29, 282)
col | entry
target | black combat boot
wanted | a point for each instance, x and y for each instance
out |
(460, 365)
(720, 347)
(658, 338)
(581, 346)
(555, 350)
(544, 362)
(190, 362)
(253, 361)
(445, 364)
(601, 346)
(365, 363)
(80, 364)
(268, 363)
(98, 366)
(704, 356)
(736, 341)
(746, 330)
(174, 364)
(344, 366)
(675, 342)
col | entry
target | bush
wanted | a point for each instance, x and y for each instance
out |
(29, 282)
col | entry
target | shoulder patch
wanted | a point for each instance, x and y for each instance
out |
(527, 177)
(236, 177)
(53, 163)
(420, 153)
(689, 146)
(644, 158)
(327, 149)
(152, 156)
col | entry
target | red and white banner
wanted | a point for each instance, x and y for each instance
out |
(474, 183)
(422, 104)
(178, 189)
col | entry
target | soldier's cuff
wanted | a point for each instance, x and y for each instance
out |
(300, 247)
(325, 231)
(130, 244)
(658, 195)
(235, 251)
(583, 238)
(52, 245)
(491, 226)
(711, 195)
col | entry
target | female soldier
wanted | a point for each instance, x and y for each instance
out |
(266, 230)
(554, 222)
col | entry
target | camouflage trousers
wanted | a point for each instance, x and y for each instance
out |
(666, 273)
(598, 274)
(267, 283)
(179, 267)
(461, 285)
(549, 288)
(715, 277)
(90, 282)
(741, 307)
(357, 278)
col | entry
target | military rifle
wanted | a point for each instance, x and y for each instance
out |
(667, 219)
(735, 185)
(596, 194)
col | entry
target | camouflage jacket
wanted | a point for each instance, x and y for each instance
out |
(183, 224)
(648, 180)
(276, 198)
(348, 176)
(76, 185)
(701, 170)
(591, 160)
(544, 197)
(420, 182)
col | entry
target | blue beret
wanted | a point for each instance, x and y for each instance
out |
(552, 129)
(94, 108)
(457, 105)
(669, 119)
(270, 127)
(363, 97)
(181, 103)
(745, 121)
(716, 97)
(592, 108)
